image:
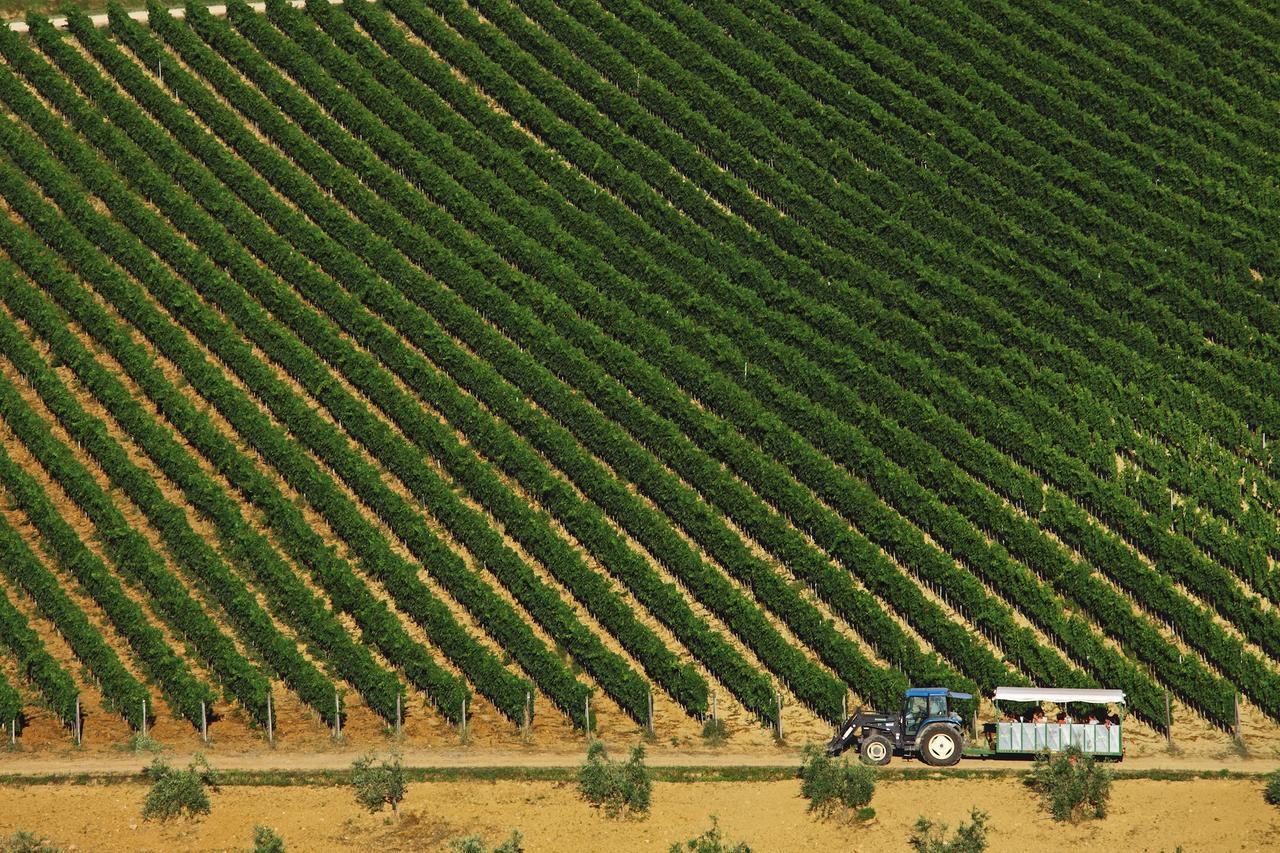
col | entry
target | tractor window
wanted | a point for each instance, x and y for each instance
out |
(937, 706)
(915, 711)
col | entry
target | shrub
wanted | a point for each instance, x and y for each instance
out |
(379, 785)
(265, 840)
(710, 841)
(715, 731)
(836, 785)
(475, 844)
(27, 842)
(176, 791)
(143, 743)
(1074, 786)
(617, 788)
(1271, 793)
(969, 838)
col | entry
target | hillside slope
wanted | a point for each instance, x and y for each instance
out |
(617, 363)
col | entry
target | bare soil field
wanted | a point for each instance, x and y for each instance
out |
(1147, 815)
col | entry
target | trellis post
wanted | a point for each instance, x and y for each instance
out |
(204, 723)
(78, 731)
(1168, 718)
(397, 715)
(271, 735)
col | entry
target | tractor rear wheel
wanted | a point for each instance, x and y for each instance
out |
(876, 749)
(940, 745)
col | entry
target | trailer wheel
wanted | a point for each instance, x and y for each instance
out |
(940, 745)
(876, 749)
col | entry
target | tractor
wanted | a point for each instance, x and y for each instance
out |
(927, 726)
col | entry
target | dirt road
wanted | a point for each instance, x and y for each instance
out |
(124, 764)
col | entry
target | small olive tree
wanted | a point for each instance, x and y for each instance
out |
(711, 841)
(1271, 793)
(476, 844)
(265, 840)
(379, 785)
(175, 792)
(835, 786)
(23, 841)
(618, 789)
(1074, 785)
(971, 837)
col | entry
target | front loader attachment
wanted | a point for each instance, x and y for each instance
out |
(845, 737)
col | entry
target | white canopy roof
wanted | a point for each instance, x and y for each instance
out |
(1058, 695)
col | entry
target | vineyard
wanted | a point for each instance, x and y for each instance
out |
(550, 365)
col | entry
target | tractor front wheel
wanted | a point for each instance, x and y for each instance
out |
(940, 745)
(876, 749)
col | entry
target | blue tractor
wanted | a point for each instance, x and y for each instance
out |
(927, 726)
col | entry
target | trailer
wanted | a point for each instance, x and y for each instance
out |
(1019, 737)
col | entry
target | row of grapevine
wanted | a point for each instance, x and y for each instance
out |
(286, 519)
(881, 635)
(828, 87)
(825, 151)
(517, 518)
(542, 602)
(34, 663)
(806, 373)
(828, 56)
(654, 106)
(1214, 38)
(124, 544)
(246, 616)
(1221, 717)
(1218, 319)
(283, 588)
(818, 691)
(379, 625)
(511, 454)
(565, 359)
(1103, 152)
(1145, 115)
(1219, 703)
(511, 629)
(835, 698)
(513, 694)
(121, 691)
(560, 360)
(756, 312)
(595, 53)
(10, 700)
(1166, 65)
(137, 564)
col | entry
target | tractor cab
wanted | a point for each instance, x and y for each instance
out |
(927, 725)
